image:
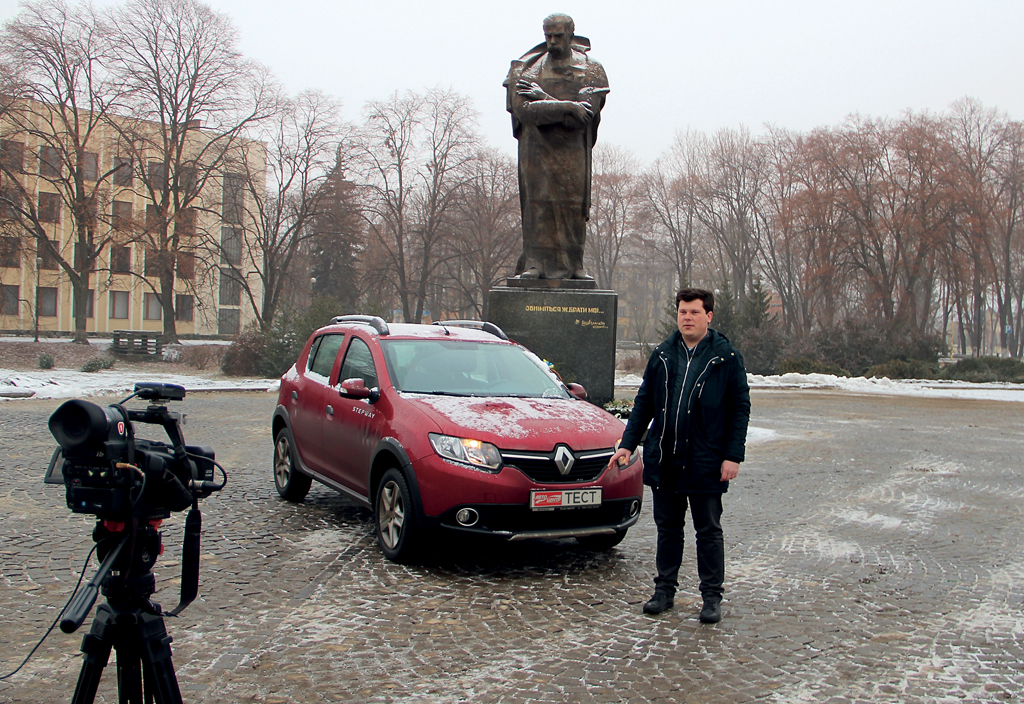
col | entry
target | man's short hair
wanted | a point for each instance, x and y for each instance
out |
(562, 19)
(692, 294)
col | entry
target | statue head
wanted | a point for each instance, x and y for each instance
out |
(559, 31)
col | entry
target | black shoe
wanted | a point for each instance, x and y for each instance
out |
(712, 612)
(658, 603)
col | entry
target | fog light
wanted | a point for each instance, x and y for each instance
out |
(634, 508)
(467, 517)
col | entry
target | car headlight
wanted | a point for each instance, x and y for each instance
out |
(476, 453)
(632, 458)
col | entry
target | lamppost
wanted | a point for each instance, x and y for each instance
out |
(39, 265)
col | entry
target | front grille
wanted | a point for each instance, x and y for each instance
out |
(541, 467)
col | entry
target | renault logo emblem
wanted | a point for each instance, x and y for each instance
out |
(564, 460)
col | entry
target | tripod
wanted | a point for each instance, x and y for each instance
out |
(130, 624)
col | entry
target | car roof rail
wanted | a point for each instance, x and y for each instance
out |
(475, 325)
(374, 321)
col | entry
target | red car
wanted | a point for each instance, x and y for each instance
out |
(450, 427)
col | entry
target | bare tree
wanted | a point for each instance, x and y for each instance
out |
(191, 97)
(414, 154)
(615, 202)
(488, 236)
(62, 98)
(301, 147)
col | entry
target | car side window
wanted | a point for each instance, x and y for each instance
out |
(358, 364)
(312, 352)
(325, 356)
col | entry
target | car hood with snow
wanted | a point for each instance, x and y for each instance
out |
(522, 423)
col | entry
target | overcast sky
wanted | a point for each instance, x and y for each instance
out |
(672, 65)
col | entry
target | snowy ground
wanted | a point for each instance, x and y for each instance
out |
(926, 388)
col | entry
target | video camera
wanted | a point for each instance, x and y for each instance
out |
(108, 472)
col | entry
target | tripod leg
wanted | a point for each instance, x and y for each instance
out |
(129, 668)
(161, 681)
(96, 646)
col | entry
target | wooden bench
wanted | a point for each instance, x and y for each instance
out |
(138, 342)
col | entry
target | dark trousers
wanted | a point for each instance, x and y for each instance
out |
(669, 516)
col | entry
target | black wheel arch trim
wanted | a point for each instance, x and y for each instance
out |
(394, 448)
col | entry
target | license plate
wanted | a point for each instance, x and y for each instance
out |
(566, 498)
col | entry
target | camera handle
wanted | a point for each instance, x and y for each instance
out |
(84, 600)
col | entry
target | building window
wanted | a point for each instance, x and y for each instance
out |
(187, 181)
(230, 288)
(186, 265)
(233, 198)
(10, 202)
(9, 300)
(12, 156)
(90, 166)
(121, 215)
(47, 302)
(183, 308)
(228, 321)
(49, 207)
(121, 259)
(151, 309)
(90, 297)
(10, 252)
(185, 223)
(49, 162)
(90, 252)
(119, 304)
(157, 175)
(152, 217)
(122, 171)
(152, 265)
(231, 246)
(47, 254)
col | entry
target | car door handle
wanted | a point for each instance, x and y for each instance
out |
(295, 395)
(330, 410)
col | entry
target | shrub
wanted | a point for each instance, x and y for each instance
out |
(802, 365)
(97, 363)
(982, 369)
(45, 360)
(245, 355)
(902, 369)
(202, 356)
(762, 347)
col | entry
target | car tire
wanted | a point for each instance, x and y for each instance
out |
(291, 484)
(395, 517)
(600, 543)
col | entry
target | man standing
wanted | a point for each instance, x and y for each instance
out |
(695, 391)
(555, 93)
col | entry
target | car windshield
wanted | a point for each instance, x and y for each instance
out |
(467, 368)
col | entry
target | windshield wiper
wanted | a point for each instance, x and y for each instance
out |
(435, 393)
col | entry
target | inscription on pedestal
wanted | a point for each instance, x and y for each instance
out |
(572, 329)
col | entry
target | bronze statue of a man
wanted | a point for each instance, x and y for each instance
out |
(555, 95)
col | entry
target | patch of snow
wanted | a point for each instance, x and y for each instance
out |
(67, 383)
(924, 388)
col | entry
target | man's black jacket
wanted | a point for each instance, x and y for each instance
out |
(717, 408)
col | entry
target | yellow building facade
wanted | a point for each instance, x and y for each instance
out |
(217, 258)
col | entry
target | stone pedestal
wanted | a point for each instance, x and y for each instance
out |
(571, 328)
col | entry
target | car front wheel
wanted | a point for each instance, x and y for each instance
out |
(291, 483)
(395, 517)
(600, 543)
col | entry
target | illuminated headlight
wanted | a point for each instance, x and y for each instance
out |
(632, 458)
(482, 455)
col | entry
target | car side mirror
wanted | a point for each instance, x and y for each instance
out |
(578, 391)
(356, 388)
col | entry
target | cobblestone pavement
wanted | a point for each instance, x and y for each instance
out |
(874, 555)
